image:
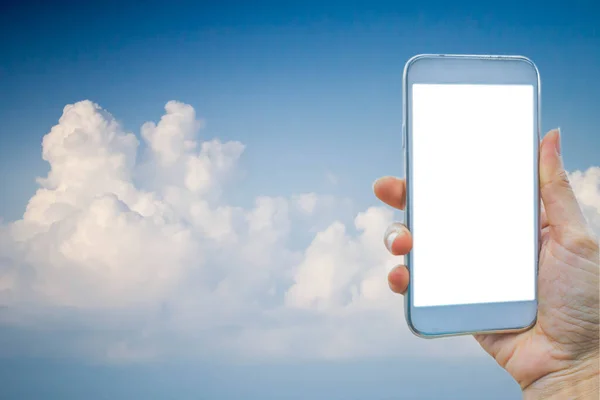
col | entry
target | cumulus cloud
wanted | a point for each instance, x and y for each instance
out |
(128, 251)
(586, 185)
(333, 274)
(133, 233)
(307, 202)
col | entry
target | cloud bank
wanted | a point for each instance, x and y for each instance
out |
(129, 252)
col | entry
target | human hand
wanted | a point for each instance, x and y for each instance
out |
(559, 355)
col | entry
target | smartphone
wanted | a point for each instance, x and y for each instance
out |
(471, 141)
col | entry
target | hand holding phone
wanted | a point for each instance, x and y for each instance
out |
(559, 354)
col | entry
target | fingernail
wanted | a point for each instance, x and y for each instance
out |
(557, 142)
(389, 240)
(393, 231)
(374, 183)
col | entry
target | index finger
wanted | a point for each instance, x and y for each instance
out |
(391, 190)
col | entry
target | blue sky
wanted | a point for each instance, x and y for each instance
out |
(313, 92)
(311, 79)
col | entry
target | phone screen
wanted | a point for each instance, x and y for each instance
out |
(473, 194)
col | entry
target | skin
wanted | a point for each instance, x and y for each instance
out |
(559, 356)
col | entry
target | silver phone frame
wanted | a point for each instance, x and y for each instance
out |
(408, 308)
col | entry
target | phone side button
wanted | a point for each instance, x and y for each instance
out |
(403, 135)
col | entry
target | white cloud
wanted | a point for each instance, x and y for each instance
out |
(129, 247)
(586, 185)
(307, 202)
(337, 268)
(174, 135)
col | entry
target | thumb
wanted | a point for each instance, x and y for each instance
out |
(562, 208)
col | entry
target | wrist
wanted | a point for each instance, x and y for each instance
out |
(581, 381)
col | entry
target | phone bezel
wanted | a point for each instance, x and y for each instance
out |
(453, 320)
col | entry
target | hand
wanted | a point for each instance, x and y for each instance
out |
(561, 351)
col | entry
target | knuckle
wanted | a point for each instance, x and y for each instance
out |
(562, 181)
(559, 181)
(563, 178)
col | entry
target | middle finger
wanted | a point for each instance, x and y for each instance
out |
(398, 239)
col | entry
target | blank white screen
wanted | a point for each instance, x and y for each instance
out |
(473, 194)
